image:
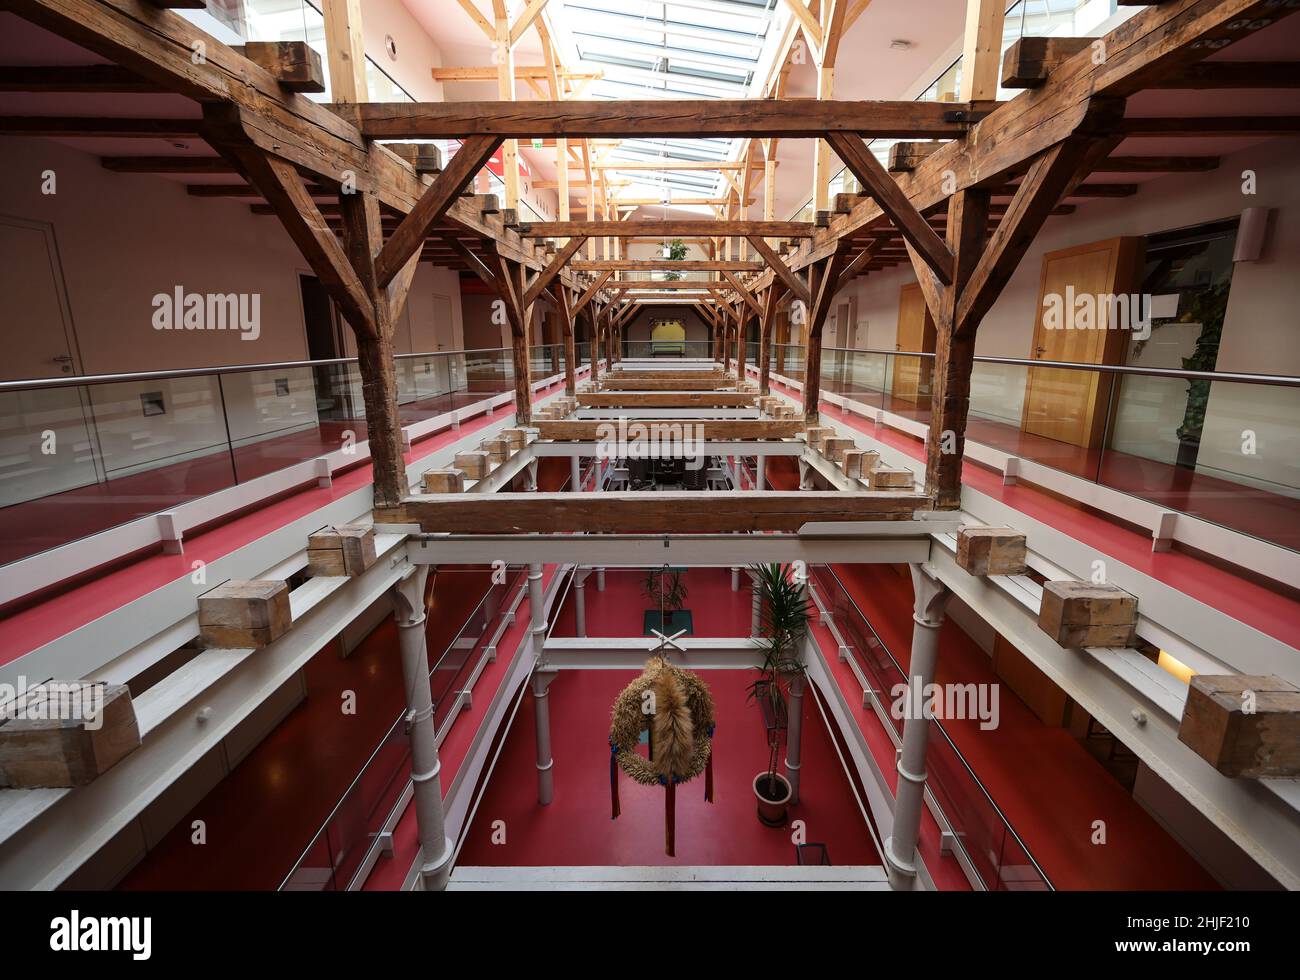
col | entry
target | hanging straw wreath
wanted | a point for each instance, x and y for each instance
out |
(681, 734)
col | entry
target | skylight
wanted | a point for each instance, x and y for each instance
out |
(669, 49)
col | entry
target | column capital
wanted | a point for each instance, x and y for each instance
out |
(931, 596)
(408, 596)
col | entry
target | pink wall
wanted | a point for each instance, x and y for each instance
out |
(123, 238)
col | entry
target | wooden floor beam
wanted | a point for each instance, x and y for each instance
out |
(632, 512)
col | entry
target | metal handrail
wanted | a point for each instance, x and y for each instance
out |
(939, 728)
(1235, 376)
(72, 381)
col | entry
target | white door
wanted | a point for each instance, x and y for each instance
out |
(45, 441)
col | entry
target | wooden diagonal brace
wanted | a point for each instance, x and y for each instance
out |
(744, 293)
(591, 291)
(556, 266)
(894, 202)
(409, 237)
(283, 187)
(782, 271)
(1050, 177)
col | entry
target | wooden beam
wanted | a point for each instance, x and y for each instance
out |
(484, 24)
(553, 269)
(666, 265)
(744, 293)
(1155, 165)
(433, 205)
(808, 24)
(1233, 74)
(168, 165)
(895, 204)
(1049, 178)
(666, 399)
(283, 187)
(793, 283)
(615, 383)
(591, 291)
(669, 512)
(525, 20)
(1210, 126)
(632, 119)
(670, 228)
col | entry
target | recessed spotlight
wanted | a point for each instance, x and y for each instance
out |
(899, 44)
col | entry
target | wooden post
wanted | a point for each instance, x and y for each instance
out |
(826, 275)
(347, 52)
(504, 56)
(363, 240)
(982, 50)
(765, 336)
(561, 294)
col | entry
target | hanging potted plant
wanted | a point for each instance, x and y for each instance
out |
(783, 626)
(674, 251)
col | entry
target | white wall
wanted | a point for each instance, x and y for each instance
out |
(1259, 334)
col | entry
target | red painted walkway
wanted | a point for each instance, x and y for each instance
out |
(1268, 609)
(39, 623)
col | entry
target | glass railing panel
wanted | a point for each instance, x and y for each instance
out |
(47, 444)
(177, 422)
(1224, 451)
(272, 420)
(998, 858)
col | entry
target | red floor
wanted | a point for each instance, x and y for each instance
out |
(1270, 516)
(1267, 610)
(619, 610)
(576, 828)
(54, 616)
(1047, 785)
(262, 816)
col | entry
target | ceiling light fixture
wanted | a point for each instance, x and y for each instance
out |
(900, 44)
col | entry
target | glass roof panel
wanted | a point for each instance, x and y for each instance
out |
(669, 49)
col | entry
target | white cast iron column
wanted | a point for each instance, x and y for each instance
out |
(927, 618)
(435, 848)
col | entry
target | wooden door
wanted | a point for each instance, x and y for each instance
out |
(1071, 405)
(915, 333)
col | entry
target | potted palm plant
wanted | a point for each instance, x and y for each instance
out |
(668, 592)
(783, 626)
